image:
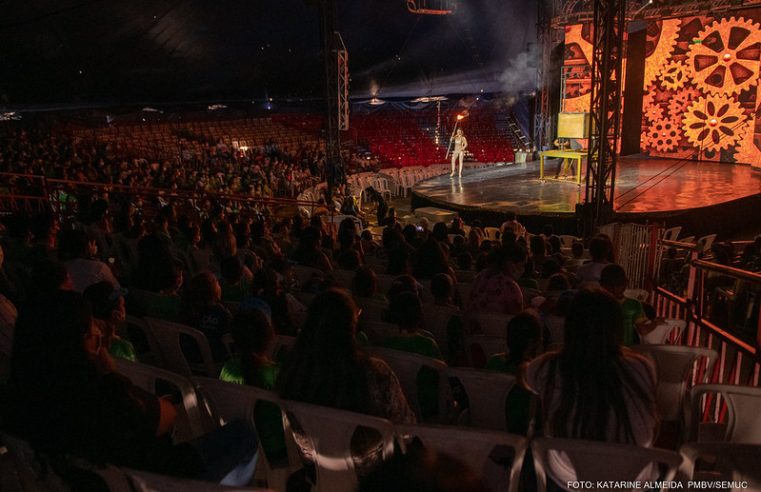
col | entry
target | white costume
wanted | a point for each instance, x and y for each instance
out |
(460, 144)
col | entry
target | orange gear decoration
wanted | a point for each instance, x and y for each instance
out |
(714, 122)
(662, 51)
(673, 75)
(747, 152)
(653, 112)
(663, 136)
(573, 35)
(726, 58)
(680, 101)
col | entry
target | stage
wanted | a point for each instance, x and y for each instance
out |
(703, 197)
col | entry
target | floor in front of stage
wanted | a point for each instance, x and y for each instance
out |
(643, 186)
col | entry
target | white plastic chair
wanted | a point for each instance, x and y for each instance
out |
(599, 461)
(674, 363)
(492, 233)
(663, 332)
(743, 418)
(168, 336)
(639, 294)
(193, 418)
(406, 366)
(487, 392)
(491, 324)
(230, 402)
(304, 273)
(475, 447)
(731, 462)
(280, 347)
(327, 434)
(480, 347)
(566, 241)
(377, 331)
(704, 243)
(138, 332)
(436, 320)
(672, 234)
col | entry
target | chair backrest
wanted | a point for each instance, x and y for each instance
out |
(487, 393)
(492, 233)
(674, 364)
(230, 401)
(477, 448)
(327, 433)
(731, 463)
(407, 366)
(664, 331)
(480, 347)
(436, 320)
(704, 243)
(567, 460)
(743, 419)
(566, 241)
(193, 418)
(492, 324)
(280, 347)
(377, 331)
(169, 334)
(672, 234)
(144, 341)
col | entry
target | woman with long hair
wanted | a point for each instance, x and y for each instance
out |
(594, 388)
(326, 366)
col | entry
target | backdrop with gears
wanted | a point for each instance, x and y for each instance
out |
(702, 96)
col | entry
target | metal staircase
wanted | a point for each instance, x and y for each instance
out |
(520, 141)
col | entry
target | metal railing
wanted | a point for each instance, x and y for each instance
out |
(29, 193)
(722, 307)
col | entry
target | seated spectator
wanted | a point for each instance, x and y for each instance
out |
(308, 251)
(407, 312)
(253, 335)
(588, 274)
(202, 309)
(577, 257)
(326, 367)
(167, 304)
(465, 261)
(365, 286)
(524, 342)
(594, 389)
(494, 289)
(65, 397)
(369, 245)
(511, 224)
(109, 314)
(448, 312)
(636, 323)
(430, 259)
(235, 279)
(77, 251)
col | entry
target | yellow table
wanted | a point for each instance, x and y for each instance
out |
(567, 156)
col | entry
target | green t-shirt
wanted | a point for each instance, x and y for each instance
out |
(518, 402)
(235, 292)
(633, 314)
(267, 417)
(427, 378)
(122, 349)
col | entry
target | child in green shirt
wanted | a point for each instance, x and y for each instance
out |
(636, 323)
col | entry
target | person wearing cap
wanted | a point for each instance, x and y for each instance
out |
(107, 304)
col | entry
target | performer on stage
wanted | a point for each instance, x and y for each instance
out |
(460, 144)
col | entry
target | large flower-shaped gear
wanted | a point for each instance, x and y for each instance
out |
(680, 101)
(663, 135)
(653, 112)
(714, 122)
(673, 75)
(725, 56)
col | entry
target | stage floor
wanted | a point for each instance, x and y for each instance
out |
(643, 186)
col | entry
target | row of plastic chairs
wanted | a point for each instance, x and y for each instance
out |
(329, 432)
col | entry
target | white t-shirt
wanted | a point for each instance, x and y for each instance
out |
(84, 273)
(588, 274)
